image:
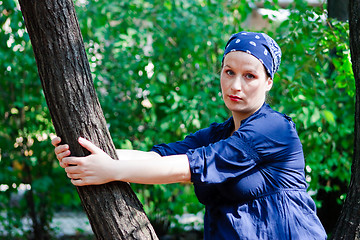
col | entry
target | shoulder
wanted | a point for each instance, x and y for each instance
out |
(203, 137)
(268, 124)
(272, 135)
(216, 131)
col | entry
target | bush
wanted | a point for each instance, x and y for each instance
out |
(156, 70)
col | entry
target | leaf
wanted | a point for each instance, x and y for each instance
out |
(329, 116)
(315, 116)
(161, 77)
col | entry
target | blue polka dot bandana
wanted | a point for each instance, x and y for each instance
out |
(260, 46)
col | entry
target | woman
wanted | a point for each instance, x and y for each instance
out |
(247, 171)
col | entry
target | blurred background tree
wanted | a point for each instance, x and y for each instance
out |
(156, 69)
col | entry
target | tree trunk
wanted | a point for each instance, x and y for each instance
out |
(348, 225)
(338, 9)
(113, 210)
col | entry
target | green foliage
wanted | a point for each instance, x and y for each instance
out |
(30, 180)
(315, 86)
(156, 70)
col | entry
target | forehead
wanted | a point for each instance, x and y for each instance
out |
(239, 58)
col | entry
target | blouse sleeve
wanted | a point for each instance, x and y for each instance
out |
(269, 141)
(226, 159)
(179, 147)
(198, 139)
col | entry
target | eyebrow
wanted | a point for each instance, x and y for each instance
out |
(248, 69)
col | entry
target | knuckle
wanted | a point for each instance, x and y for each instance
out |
(65, 160)
(62, 148)
(81, 170)
(61, 155)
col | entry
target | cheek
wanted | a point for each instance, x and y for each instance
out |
(222, 84)
(252, 87)
(254, 90)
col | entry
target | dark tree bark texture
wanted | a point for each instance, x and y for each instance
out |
(113, 210)
(338, 9)
(348, 225)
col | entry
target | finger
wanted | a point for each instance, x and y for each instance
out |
(78, 182)
(74, 175)
(63, 165)
(62, 155)
(61, 148)
(71, 161)
(89, 145)
(55, 141)
(73, 169)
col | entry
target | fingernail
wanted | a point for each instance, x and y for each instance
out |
(81, 139)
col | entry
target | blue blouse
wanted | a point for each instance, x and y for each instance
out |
(252, 183)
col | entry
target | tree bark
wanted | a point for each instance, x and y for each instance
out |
(113, 209)
(338, 9)
(348, 225)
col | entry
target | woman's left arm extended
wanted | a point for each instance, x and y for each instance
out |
(133, 166)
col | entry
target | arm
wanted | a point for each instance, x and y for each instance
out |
(124, 154)
(153, 170)
(134, 166)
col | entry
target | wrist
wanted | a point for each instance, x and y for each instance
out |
(114, 171)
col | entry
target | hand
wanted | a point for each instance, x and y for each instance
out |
(96, 168)
(61, 151)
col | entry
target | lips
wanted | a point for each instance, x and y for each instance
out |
(235, 98)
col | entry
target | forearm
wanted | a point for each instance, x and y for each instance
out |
(154, 169)
(132, 166)
(127, 154)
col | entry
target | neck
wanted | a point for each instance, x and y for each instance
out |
(237, 120)
(238, 117)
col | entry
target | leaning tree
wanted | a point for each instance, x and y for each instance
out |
(113, 209)
(348, 225)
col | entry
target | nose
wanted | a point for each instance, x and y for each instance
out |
(236, 85)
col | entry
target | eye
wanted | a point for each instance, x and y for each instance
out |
(249, 76)
(229, 72)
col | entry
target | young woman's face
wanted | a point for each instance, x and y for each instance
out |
(244, 83)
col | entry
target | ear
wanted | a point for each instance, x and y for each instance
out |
(269, 83)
